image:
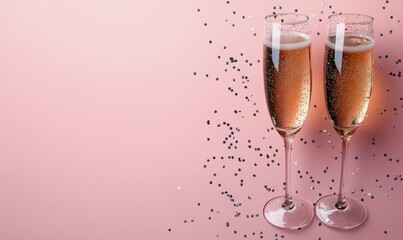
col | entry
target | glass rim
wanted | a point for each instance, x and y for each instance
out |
(366, 18)
(272, 18)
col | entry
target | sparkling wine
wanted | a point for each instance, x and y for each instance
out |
(348, 81)
(288, 80)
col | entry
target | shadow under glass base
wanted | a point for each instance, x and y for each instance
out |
(299, 216)
(351, 217)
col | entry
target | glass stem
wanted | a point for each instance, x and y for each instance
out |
(288, 204)
(341, 199)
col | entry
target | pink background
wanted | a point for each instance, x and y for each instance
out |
(103, 124)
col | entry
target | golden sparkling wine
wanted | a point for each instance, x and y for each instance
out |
(288, 81)
(348, 81)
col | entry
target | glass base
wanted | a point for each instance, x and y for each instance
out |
(299, 216)
(352, 216)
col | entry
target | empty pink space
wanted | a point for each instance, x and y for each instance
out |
(119, 120)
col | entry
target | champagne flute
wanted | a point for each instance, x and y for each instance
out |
(348, 85)
(288, 84)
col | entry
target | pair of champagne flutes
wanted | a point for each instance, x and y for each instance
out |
(348, 72)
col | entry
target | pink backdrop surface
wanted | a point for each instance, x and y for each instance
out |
(123, 120)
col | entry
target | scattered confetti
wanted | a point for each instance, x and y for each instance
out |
(246, 147)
